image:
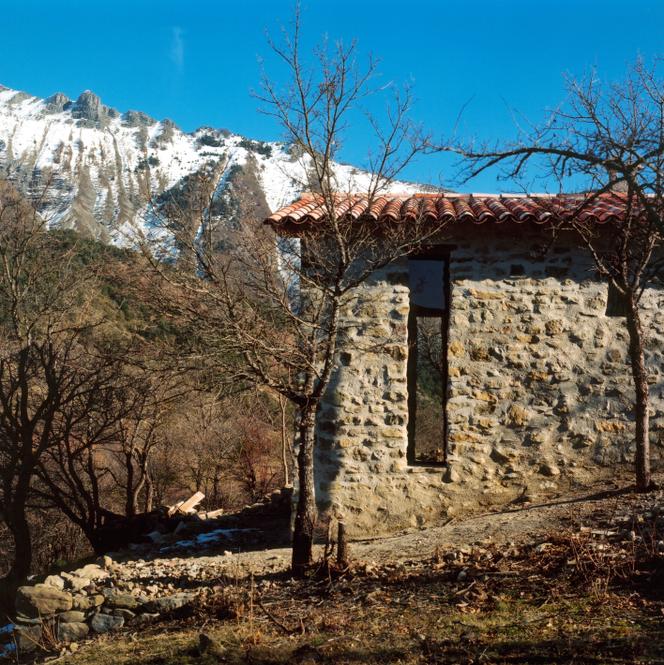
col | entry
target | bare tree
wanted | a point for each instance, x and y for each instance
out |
(257, 465)
(203, 439)
(610, 141)
(147, 404)
(102, 458)
(53, 373)
(72, 474)
(271, 310)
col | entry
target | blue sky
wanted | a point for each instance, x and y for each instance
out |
(196, 61)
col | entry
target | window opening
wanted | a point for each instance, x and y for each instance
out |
(428, 322)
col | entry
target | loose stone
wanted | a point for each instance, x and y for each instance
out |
(72, 631)
(42, 600)
(104, 623)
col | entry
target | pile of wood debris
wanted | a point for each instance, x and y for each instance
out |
(182, 519)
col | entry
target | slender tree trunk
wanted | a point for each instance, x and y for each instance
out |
(305, 516)
(641, 408)
(130, 496)
(149, 492)
(97, 539)
(285, 447)
(216, 487)
(17, 523)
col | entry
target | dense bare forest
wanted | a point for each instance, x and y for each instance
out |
(107, 409)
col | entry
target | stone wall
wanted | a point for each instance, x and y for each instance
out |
(69, 607)
(539, 389)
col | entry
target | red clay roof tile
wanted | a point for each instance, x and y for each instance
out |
(477, 208)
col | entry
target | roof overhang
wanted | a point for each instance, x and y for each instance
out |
(311, 210)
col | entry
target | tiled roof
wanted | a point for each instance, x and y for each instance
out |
(476, 208)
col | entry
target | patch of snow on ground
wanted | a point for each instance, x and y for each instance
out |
(209, 538)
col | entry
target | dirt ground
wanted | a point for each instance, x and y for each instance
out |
(576, 579)
(517, 523)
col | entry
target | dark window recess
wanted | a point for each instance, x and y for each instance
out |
(616, 303)
(517, 270)
(427, 358)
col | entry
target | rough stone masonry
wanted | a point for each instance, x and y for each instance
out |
(539, 385)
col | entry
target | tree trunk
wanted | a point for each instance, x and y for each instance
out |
(130, 495)
(20, 569)
(97, 539)
(285, 447)
(305, 517)
(641, 408)
(216, 488)
(342, 546)
(149, 493)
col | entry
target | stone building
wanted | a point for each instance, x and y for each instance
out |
(490, 365)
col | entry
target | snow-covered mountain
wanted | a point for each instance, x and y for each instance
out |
(103, 167)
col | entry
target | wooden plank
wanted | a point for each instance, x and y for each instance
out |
(212, 514)
(186, 506)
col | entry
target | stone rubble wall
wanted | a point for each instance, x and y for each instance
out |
(539, 392)
(69, 607)
(141, 585)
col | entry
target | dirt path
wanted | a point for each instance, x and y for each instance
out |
(510, 525)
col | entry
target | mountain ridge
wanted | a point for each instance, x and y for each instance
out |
(102, 169)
